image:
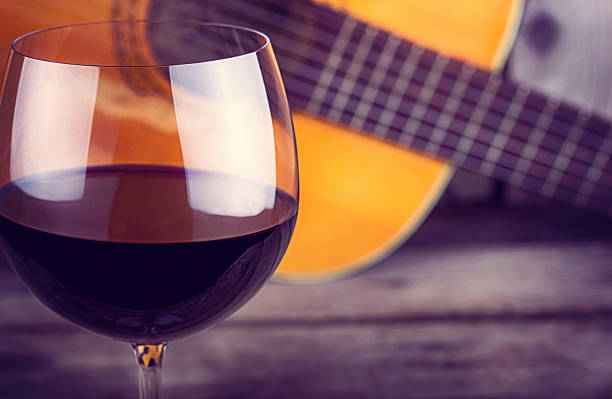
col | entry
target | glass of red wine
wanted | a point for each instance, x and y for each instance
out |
(148, 176)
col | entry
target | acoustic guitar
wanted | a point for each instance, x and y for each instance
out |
(388, 97)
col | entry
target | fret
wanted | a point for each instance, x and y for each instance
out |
(384, 128)
(591, 142)
(551, 182)
(343, 98)
(354, 69)
(373, 87)
(313, 14)
(408, 132)
(479, 122)
(543, 156)
(562, 160)
(563, 128)
(473, 159)
(442, 118)
(433, 79)
(580, 137)
(505, 129)
(492, 85)
(441, 134)
(554, 135)
(445, 130)
(394, 99)
(417, 110)
(331, 66)
(594, 173)
(413, 123)
(559, 166)
(553, 138)
(458, 90)
(532, 145)
(473, 124)
(441, 129)
(393, 102)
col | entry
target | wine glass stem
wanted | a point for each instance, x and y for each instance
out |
(149, 358)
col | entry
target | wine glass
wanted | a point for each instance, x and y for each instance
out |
(148, 176)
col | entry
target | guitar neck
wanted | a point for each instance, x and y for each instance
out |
(351, 73)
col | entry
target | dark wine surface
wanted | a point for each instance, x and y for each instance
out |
(143, 253)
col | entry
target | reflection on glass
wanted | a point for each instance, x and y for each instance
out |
(224, 124)
(54, 110)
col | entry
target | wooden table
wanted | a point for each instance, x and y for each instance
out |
(483, 302)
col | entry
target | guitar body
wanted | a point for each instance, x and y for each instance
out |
(352, 210)
(360, 197)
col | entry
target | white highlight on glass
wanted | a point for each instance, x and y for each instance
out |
(225, 126)
(52, 123)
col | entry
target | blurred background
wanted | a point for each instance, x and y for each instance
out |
(498, 292)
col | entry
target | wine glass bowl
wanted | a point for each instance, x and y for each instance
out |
(148, 173)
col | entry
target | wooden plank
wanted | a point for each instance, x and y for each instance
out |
(482, 303)
(430, 360)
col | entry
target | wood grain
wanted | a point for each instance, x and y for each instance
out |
(484, 302)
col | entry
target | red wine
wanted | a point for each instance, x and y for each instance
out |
(143, 253)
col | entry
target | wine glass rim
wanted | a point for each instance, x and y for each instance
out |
(146, 21)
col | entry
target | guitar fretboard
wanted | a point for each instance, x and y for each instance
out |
(351, 73)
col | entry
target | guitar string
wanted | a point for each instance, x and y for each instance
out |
(502, 163)
(258, 10)
(323, 12)
(551, 152)
(504, 148)
(340, 55)
(379, 105)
